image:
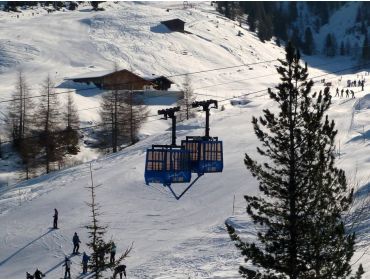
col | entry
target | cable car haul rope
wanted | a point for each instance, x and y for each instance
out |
(169, 164)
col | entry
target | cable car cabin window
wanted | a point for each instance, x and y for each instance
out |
(167, 165)
(205, 155)
(155, 160)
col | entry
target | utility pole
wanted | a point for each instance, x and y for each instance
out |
(170, 113)
(206, 108)
(234, 205)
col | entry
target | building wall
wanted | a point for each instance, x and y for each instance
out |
(124, 80)
(175, 25)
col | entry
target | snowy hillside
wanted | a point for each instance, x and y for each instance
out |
(172, 239)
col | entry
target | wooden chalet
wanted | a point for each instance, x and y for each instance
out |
(160, 82)
(176, 25)
(121, 79)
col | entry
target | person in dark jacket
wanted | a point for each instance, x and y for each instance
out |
(85, 260)
(337, 93)
(112, 252)
(341, 93)
(67, 264)
(119, 270)
(38, 274)
(76, 243)
(55, 222)
(347, 93)
(353, 94)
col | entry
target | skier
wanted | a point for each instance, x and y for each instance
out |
(353, 94)
(119, 269)
(67, 264)
(347, 93)
(348, 83)
(112, 252)
(85, 260)
(337, 94)
(354, 83)
(76, 243)
(55, 223)
(341, 93)
(362, 85)
(38, 274)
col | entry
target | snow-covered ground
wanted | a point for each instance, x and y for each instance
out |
(177, 239)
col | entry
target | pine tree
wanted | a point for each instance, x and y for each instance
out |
(72, 124)
(20, 124)
(136, 114)
(265, 30)
(342, 50)
(366, 49)
(251, 20)
(308, 42)
(188, 98)
(360, 272)
(296, 38)
(330, 46)
(19, 113)
(99, 261)
(301, 233)
(113, 115)
(95, 5)
(48, 119)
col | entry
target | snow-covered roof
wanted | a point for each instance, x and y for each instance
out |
(94, 74)
(152, 77)
(98, 74)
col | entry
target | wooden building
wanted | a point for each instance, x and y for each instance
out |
(121, 79)
(160, 82)
(175, 25)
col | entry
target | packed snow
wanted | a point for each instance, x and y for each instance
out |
(172, 239)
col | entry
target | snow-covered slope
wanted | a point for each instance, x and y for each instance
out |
(177, 239)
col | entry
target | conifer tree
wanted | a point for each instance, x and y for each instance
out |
(366, 49)
(113, 115)
(72, 124)
(342, 50)
(48, 120)
(308, 42)
(186, 101)
(95, 5)
(99, 246)
(20, 123)
(19, 113)
(330, 46)
(301, 233)
(135, 115)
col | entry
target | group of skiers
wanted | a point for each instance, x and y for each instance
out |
(120, 269)
(354, 83)
(347, 93)
(37, 275)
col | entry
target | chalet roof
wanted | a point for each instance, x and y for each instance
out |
(153, 77)
(172, 21)
(96, 74)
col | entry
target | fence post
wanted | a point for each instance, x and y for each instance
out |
(234, 205)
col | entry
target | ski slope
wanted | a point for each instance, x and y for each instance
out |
(172, 239)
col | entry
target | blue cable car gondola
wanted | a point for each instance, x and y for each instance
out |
(206, 153)
(167, 164)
